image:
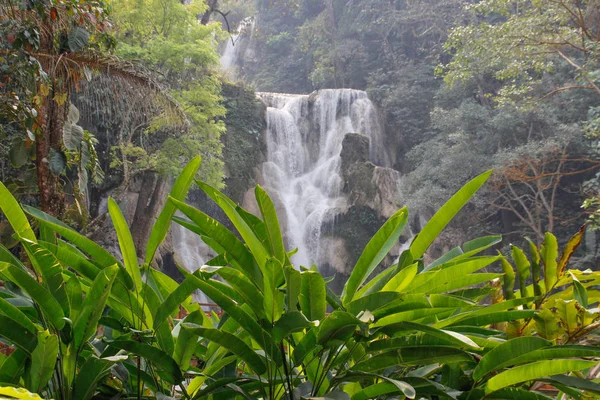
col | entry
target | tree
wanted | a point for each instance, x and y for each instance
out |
(517, 42)
(60, 44)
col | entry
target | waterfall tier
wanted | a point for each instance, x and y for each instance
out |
(302, 173)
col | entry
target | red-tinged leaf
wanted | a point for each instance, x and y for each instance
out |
(570, 248)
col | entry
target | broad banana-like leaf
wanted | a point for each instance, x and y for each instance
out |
(15, 314)
(273, 298)
(125, 243)
(252, 241)
(507, 351)
(375, 251)
(179, 192)
(11, 369)
(186, 342)
(15, 215)
(402, 279)
(233, 344)
(523, 269)
(99, 254)
(549, 254)
(50, 270)
(251, 295)
(92, 371)
(43, 360)
(40, 295)
(409, 356)
(157, 357)
(236, 251)
(313, 302)
(337, 328)
(18, 335)
(438, 222)
(292, 321)
(85, 326)
(18, 393)
(508, 285)
(269, 214)
(535, 371)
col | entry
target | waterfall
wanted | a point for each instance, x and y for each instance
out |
(304, 142)
(236, 47)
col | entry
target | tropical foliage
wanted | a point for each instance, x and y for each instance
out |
(84, 324)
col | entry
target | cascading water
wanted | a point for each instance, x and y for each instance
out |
(304, 142)
(236, 47)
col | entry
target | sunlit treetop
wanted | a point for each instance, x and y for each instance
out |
(517, 42)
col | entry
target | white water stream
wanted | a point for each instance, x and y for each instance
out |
(304, 142)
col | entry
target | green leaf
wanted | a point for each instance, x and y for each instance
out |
(337, 327)
(85, 326)
(251, 295)
(231, 343)
(43, 360)
(292, 321)
(47, 303)
(523, 269)
(17, 334)
(57, 162)
(179, 192)
(549, 254)
(385, 388)
(159, 358)
(78, 39)
(91, 373)
(75, 296)
(100, 255)
(15, 215)
(267, 209)
(536, 267)
(11, 369)
(550, 353)
(50, 270)
(579, 292)
(252, 241)
(575, 382)
(273, 298)
(373, 301)
(18, 153)
(508, 350)
(73, 135)
(444, 215)
(408, 356)
(508, 285)
(17, 315)
(231, 245)
(535, 371)
(125, 243)
(451, 337)
(293, 286)
(402, 279)
(186, 342)
(313, 302)
(375, 251)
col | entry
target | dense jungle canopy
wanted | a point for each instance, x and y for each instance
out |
(299, 199)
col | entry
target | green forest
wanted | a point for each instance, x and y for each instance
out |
(299, 199)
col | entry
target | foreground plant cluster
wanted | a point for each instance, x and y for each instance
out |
(82, 324)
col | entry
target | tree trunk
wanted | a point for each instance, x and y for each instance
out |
(149, 201)
(52, 197)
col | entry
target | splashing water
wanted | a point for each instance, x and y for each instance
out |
(304, 142)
